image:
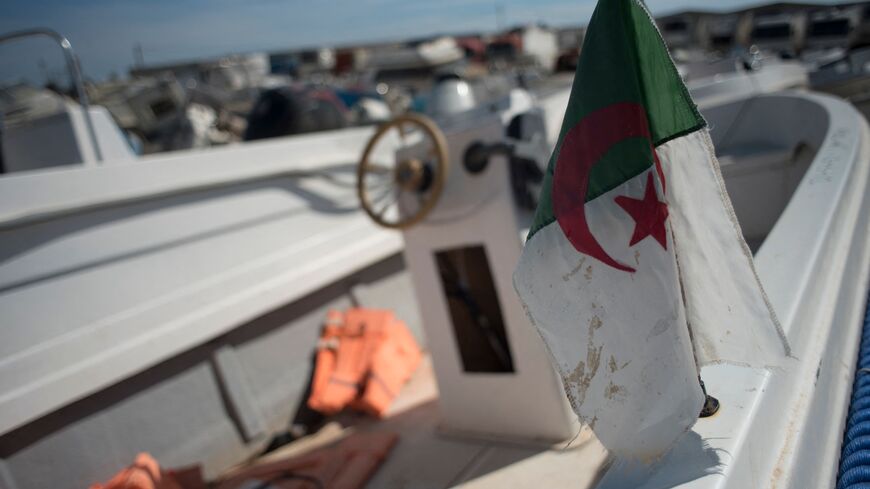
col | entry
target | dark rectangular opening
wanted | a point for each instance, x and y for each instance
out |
(475, 311)
(834, 27)
(676, 26)
(722, 41)
(773, 31)
(162, 107)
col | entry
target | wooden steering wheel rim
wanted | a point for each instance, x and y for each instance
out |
(431, 130)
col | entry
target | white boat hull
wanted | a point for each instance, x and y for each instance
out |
(171, 305)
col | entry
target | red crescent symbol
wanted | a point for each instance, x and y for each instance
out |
(583, 146)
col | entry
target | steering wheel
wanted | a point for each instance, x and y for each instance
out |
(415, 183)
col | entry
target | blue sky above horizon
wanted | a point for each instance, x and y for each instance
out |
(104, 32)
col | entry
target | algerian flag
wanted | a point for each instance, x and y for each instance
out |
(635, 271)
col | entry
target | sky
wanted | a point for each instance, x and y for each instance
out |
(104, 32)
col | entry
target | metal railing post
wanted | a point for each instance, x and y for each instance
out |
(72, 64)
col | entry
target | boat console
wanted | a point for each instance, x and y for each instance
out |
(461, 205)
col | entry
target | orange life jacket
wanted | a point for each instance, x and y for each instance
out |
(364, 357)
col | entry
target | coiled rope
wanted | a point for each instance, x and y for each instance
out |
(855, 457)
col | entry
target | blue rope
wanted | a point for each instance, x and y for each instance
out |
(855, 458)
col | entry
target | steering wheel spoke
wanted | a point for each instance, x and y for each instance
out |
(379, 169)
(385, 192)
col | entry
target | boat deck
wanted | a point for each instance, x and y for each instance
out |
(428, 457)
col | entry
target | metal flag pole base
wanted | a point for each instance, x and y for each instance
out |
(711, 404)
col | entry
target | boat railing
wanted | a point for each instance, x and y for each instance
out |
(75, 73)
(32, 197)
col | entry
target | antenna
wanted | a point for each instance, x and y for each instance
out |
(138, 56)
(499, 16)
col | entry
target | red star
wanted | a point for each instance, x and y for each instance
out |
(649, 214)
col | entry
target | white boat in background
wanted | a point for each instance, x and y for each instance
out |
(33, 116)
(412, 64)
(230, 83)
(79, 133)
(781, 32)
(829, 28)
(847, 76)
(738, 77)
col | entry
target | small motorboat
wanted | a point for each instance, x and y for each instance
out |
(172, 304)
(741, 75)
(847, 76)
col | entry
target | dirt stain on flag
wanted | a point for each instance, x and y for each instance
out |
(583, 374)
(613, 366)
(615, 392)
(594, 324)
(660, 327)
(576, 269)
(593, 421)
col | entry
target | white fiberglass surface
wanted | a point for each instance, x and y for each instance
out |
(765, 146)
(104, 268)
(782, 426)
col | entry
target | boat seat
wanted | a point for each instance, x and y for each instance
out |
(754, 157)
(760, 179)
